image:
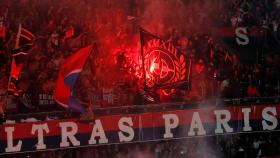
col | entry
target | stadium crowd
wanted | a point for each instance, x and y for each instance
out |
(62, 28)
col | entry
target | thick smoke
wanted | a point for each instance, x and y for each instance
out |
(184, 16)
(160, 17)
(115, 28)
(114, 25)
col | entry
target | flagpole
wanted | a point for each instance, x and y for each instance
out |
(18, 34)
(142, 54)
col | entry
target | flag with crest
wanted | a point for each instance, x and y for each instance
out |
(163, 64)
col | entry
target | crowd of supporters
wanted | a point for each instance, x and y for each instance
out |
(65, 26)
(60, 29)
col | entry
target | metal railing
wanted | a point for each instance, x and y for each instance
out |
(136, 109)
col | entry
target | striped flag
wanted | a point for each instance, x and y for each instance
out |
(68, 74)
(24, 42)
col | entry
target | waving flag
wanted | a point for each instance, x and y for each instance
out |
(68, 74)
(164, 65)
(24, 42)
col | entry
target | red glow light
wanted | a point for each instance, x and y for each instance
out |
(152, 68)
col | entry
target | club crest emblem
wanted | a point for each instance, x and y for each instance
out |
(163, 63)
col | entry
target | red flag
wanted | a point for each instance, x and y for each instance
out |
(69, 33)
(14, 76)
(68, 74)
(25, 37)
(16, 69)
(25, 40)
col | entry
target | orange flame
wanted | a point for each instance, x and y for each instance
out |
(152, 68)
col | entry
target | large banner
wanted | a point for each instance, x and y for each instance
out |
(243, 36)
(205, 121)
(164, 65)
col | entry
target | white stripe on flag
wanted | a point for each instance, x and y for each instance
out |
(26, 37)
(24, 31)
